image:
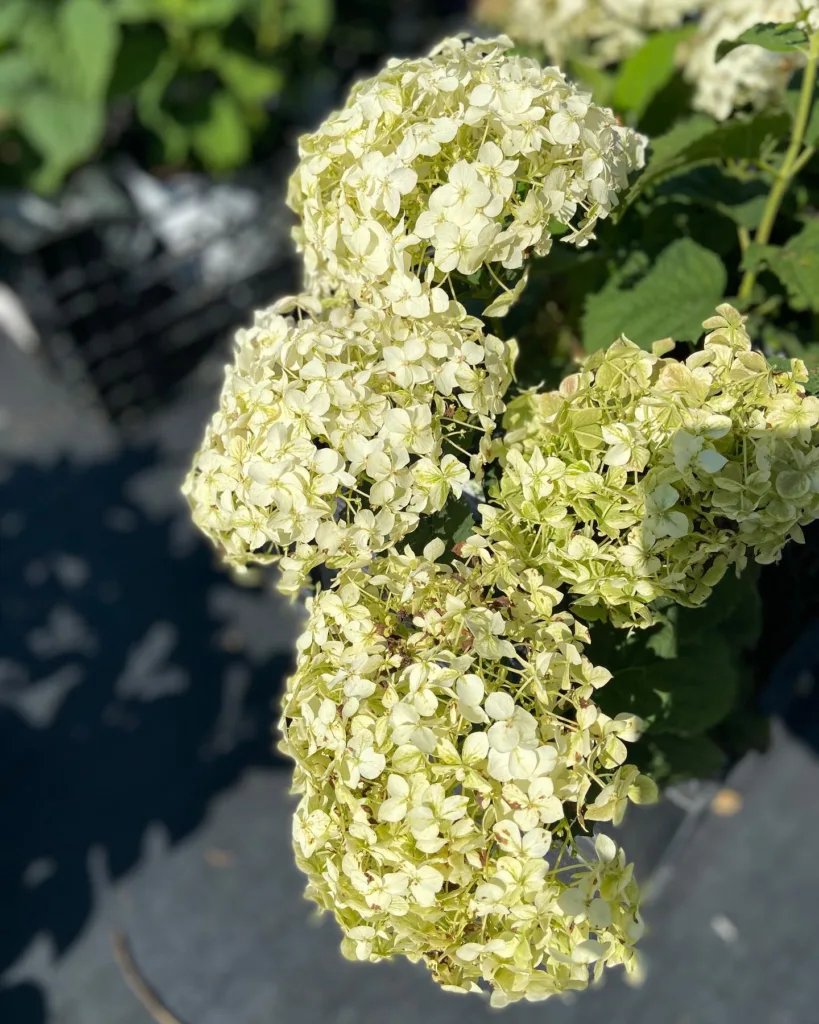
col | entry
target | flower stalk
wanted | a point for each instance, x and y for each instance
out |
(795, 159)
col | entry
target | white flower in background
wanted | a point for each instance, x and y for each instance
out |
(459, 162)
(607, 31)
(749, 74)
(336, 431)
(424, 825)
(602, 31)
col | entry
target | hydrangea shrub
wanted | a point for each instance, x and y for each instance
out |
(455, 725)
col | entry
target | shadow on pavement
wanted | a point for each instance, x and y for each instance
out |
(129, 693)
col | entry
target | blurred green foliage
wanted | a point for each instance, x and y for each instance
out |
(198, 76)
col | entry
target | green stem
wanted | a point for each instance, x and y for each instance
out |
(807, 153)
(794, 160)
(497, 279)
(768, 167)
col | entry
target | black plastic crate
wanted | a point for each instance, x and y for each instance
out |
(128, 298)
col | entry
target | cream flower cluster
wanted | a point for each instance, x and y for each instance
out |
(646, 477)
(749, 74)
(607, 31)
(338, 428)
(440, 167)
(604, 31)
(447, 742)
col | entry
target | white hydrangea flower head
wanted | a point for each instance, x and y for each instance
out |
(461, 162)
(337, 428)
(748, 75)
(447, 747)
(645, 477)
(600, 31)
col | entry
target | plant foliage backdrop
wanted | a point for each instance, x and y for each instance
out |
(178, 83)
(544, 407)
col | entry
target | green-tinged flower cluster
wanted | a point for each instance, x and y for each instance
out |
(645, 477)
(339, 427)
(447, 743)
(444, 165)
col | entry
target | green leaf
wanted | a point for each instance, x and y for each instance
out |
(40, 42)
(757, 256)
(700, 139)
(784, 345)
(17, 74)
(787, 38)
(669, 106)
(12, 15)
(193, 13)
(133, 12)
(684, 676)
(741, 201)
(90, 36)
(669, 298)
(645, 73)
(672, 759)
(174, 137)
(310, 18)
(248, 79)
(465, 529)
(139, 55)
(223, 142)
(743, 137)
(666, 151)
(735, 609)
(686, 695)
(796, 264)
(454, 523)
(65, 130)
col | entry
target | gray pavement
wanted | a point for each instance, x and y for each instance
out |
(218, 926)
